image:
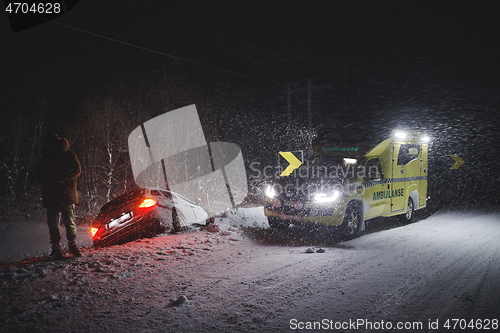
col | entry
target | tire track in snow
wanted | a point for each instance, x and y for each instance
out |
(452, 277)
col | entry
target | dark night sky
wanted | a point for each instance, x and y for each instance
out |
(430, 64)
(376, 52)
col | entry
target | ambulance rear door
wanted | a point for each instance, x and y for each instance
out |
(424, 165)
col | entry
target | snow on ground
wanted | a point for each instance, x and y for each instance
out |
(243, 217)
(23, 238)
(252, 279)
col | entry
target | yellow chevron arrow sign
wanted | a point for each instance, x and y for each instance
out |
(458, 162)
(294, 162)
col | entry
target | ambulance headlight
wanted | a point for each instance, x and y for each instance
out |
(270, 192)
(400, 135)
(350, 160)
(326, 197)
(425, 138)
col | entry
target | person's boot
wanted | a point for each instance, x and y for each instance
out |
(56, 252)
(73, 249)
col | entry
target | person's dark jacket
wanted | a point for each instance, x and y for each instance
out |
(57, 173)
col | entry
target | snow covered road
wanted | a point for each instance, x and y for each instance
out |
(23, 238)
(419, 276)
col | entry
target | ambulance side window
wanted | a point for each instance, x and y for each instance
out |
(374, 169)
(408, 153)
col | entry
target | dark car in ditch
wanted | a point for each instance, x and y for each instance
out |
(144, 212)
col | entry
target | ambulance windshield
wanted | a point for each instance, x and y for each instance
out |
(333, 167)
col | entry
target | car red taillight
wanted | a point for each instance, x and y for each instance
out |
(93, 231)
(96, 233)
(148, 202)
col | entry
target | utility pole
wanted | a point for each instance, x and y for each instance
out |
(299, 87)
(289, 105)
(344, 79)
(309, 109)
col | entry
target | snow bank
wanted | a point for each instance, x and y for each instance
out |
(242, 217)
(446, 266)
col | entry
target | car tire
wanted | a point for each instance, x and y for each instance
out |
(353, 219)
(178, 221)
(165, 226)
(410, 212)
(277, 224)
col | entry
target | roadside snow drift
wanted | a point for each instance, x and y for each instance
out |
(420, 275)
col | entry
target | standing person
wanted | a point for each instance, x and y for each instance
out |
(57, 173)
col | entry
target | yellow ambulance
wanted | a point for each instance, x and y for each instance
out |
(352, 177)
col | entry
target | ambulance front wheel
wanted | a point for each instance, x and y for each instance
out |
(277, 224)
(353, 219)
(410, 210)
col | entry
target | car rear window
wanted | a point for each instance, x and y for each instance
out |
(155, 193)
(123, 200)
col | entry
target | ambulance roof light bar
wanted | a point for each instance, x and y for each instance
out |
(400, 135)
(403, 135)
(425, 138)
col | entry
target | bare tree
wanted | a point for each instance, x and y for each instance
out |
(20, 139)
(102, 148)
